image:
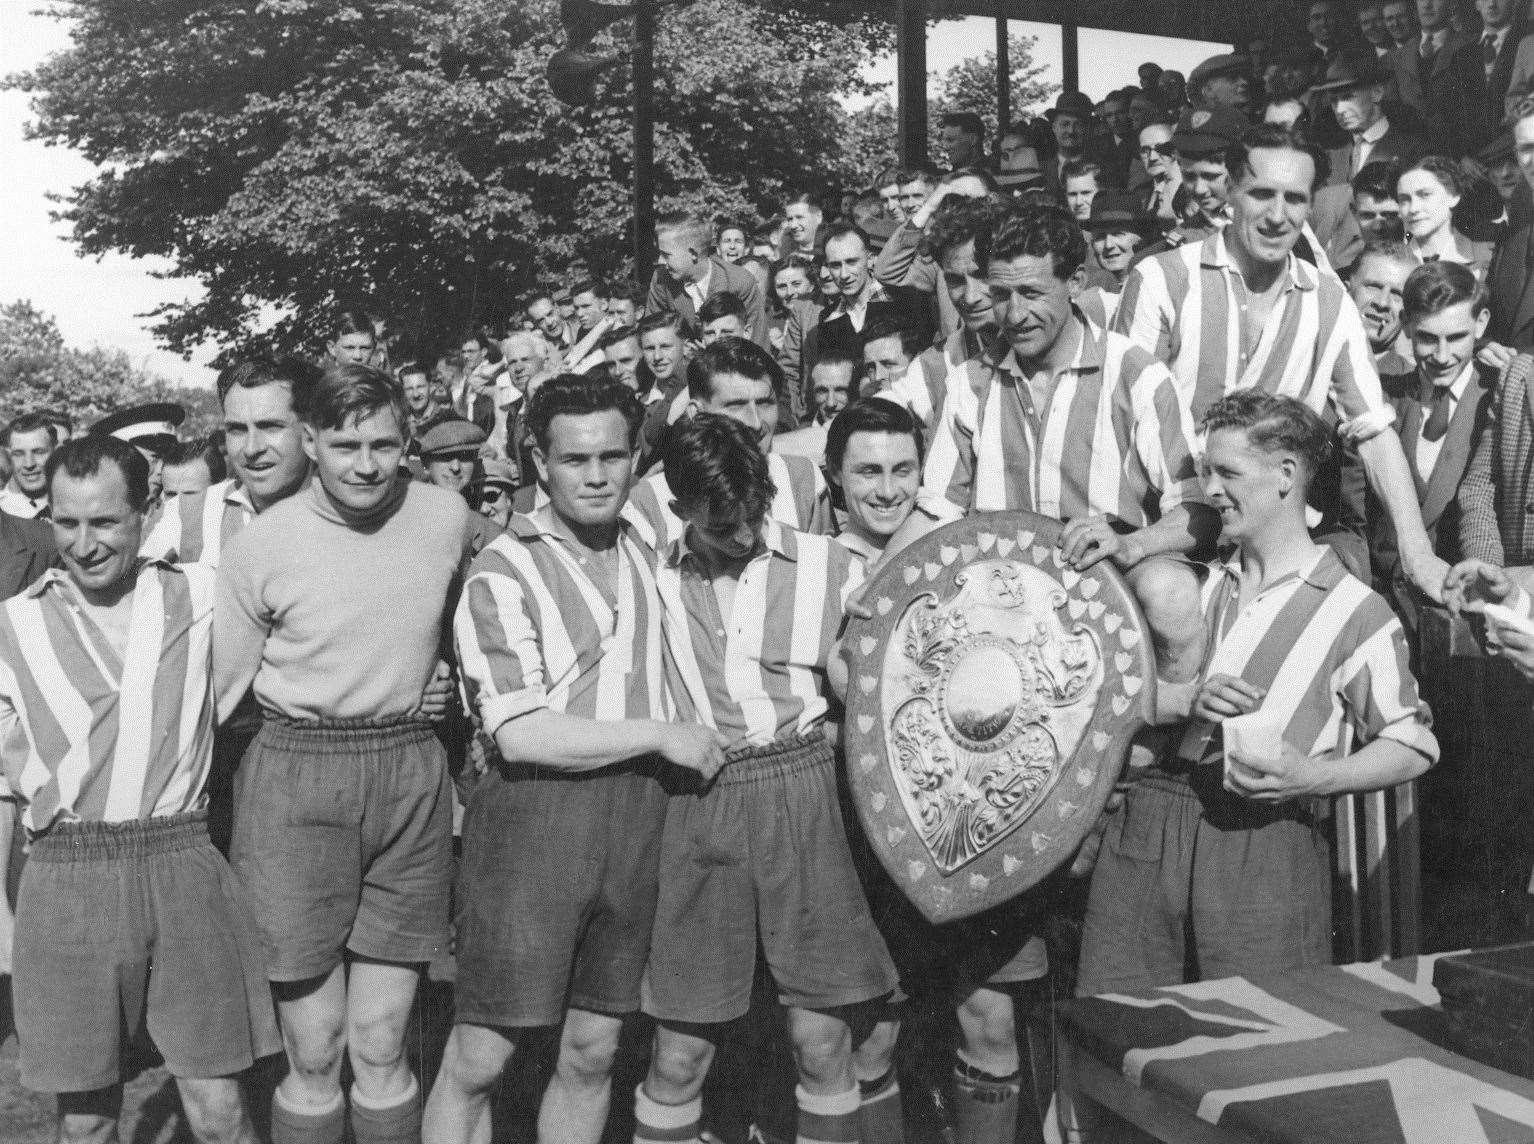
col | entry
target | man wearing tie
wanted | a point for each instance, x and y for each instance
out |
(1500, 34)
(1441, 409)
(1355, 88)
(1442, 80)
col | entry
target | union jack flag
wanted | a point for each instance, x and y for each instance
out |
(1339, 1055)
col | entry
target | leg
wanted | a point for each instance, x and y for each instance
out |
(987, 1069)
(473, 1062)
(1168, 595)
(215, 1110)
(575, 1104)
(385, 1098)
(313, 1018)
(667, 1105)
(90, 1117)
(308, 1107)
(828, 1092)
(881, 1118)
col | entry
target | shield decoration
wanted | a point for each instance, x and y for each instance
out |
(990, 704)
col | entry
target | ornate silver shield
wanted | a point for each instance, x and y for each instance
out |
(990, 704)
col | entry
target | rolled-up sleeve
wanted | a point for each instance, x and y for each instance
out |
(499, 655)
(1379, 691)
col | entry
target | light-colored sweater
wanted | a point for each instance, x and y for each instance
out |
(333, 621)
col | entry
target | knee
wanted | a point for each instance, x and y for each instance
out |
(215, 1116)
(872, 1058)
(823, 1054)
(1168, 595)
(680, 1065)
(587, 1055)
(315, 1054)
(990, 1031)
(472, 1067)
(376, 1043)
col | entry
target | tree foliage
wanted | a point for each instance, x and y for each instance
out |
(38, 371)
(294, 155)
(970, 85)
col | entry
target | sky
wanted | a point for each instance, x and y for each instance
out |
(102, 301)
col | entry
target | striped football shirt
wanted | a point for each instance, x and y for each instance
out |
(195, 530)
(1327, 651)
(535, 630)
(762, 676)
(1114, 439)
(1185, 308)
(801, 501)
(88, 735)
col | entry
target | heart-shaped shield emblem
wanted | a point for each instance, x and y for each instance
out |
(997, 681)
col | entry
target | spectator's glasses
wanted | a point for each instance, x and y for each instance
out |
(1166, 150)
(493, 494)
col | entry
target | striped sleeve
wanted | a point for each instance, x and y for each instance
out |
(1145, 312)
(164, 539)
(950, 469)
(1376, 686)
(498, 649)
(1163, 435)
(15, 747)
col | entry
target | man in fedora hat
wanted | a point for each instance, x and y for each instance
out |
(1072, 119)
(1354, 86)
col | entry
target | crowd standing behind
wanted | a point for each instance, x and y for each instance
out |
(562, 593)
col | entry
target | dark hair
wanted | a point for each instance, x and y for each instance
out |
(1273, 423)
(889, 326)
(481, 337)
(591, 286)
(731, 355)
(83, 456)
(918, 171)
(808, 198)
(875, 415)
(1079, 168)
(955, 222)
(1390, 248)
(1377, 179)
(725, 224)
(350, 322)
(627, 290)
(1442, 168)
(252, 373)
(1035, 231)
(617, 335)
(722, 305)
(966, 121)
(34, 422)
(410, 367)
(575, 395)
(838, 357)
(208, 450)
(660, 320)
(842, 230)
(1273, 137)
(1435, 286)
(889, 176)
(344, 393)
(713, 462)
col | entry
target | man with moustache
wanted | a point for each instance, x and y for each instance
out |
(332, 606)
(129, 921)
(559, 634)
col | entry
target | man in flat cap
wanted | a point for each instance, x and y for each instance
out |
(1354, 86)
(450, 460)
(1221, 81)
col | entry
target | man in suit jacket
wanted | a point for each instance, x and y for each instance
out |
(1442, 81)
(861, 300)
(1355, 88)
(1511, 276)
(1441, 409)
(1497, 49)
(687, 274)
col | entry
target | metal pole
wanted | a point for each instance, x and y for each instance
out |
(911, 79)
(1003, 76)
(644, 139)
(1071, 58)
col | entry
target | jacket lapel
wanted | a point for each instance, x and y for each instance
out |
(1525, 271)
(1455, 454)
